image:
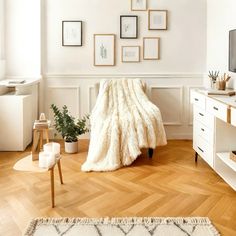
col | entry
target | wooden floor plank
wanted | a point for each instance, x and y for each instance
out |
(169, 184)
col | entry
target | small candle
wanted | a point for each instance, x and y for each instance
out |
(52, 148)
(56, 148)
(51, 159)
(43, 160)
(47, 147)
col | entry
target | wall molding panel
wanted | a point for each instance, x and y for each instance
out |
(178, 121)
(126, 75)
(162, 89)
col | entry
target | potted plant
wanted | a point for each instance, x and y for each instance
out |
(69, 127)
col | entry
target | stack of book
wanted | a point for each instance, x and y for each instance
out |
(41, 124)
(228, 92)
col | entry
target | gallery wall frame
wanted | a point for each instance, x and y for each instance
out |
(128, 27)
(138, 5)
(130, 54)
(72, 33)
(157, 19)
(151, 48)
(104, 49)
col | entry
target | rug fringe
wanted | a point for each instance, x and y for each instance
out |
(122, 220)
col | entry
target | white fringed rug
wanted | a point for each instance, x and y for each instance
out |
(147, 226)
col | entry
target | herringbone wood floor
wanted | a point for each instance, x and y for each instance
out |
(168, 185)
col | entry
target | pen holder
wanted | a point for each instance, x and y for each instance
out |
(220, 85)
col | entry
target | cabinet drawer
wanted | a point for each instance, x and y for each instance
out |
(204, 150)
(204, 117)
(218, 109)
(198, 99)
(233, 116)
(204, 132)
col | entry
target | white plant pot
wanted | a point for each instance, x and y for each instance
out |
(71, 147)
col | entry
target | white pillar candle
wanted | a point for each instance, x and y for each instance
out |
(51, 159)
(56, 148)
(47, 147)
(43, 160)
(52, 148)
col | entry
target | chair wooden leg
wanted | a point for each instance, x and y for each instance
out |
(47, 135)
(41, 140)
(196, 156)
(52, 187)
(60, 172)
(150, 152)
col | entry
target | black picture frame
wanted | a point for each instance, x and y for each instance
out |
(78, 39)
(122, 25)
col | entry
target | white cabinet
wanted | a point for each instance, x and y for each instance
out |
(233, 116)
(214, 133)
(203, 124)
(218, 109)
(15, 122)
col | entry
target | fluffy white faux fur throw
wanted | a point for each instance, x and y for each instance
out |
(122, 122)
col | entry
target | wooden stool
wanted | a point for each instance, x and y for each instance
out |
(38, 141)
(26, 164)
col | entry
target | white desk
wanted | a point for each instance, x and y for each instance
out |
(214, 132)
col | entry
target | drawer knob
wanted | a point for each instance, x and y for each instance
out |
(215, 108)
(202, 129)
(201, 114)
(200, 149)
(196, 99)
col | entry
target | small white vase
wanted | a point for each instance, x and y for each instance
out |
(71, 147)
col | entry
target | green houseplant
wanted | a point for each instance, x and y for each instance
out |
(69, 127)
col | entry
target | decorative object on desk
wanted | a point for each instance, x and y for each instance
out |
(213, 75)
(104, 49)
(71, 33)
(19, 81)
(233, 155)
(128, 27)
(157, 19)
(69, 127)
(221, 81)
(132, 226)
(138, 5)
(42, 117)
(227, 92)
(41, 128)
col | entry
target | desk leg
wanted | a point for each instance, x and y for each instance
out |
(196, 156)
(60, 172)
(52, 186)
(41, 140)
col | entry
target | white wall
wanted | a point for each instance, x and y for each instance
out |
(183, 45)
(221, 18)
(23, 44)
(69, 74)
(2, 39)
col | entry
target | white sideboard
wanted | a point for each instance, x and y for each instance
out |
(15, 122)
(214, 132)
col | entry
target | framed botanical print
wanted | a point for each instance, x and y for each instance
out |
(157, 19)
(128, 27)
(71, 33)
(151, 49)
(104, 49)
(138, 5)
(130, 54)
